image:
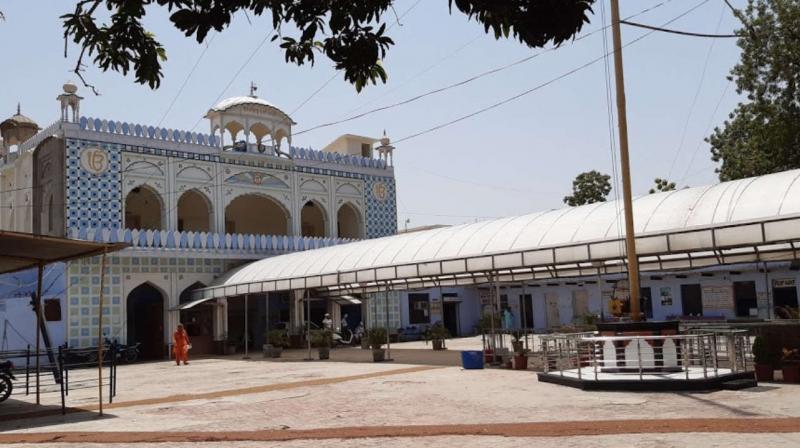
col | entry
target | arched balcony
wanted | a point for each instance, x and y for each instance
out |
(144, 209)
(195, 212)
(313, 220)
(256, 214)
(348, 222)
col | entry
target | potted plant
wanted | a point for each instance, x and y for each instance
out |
(790, 365)
(517, 340)
(437, 333)
(520, 359)
(376, 338)
(277, 340)
(765, 366)
(322, 339)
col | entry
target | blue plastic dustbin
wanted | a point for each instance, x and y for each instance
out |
(472, 359)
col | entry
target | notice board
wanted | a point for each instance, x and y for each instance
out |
(717, 297)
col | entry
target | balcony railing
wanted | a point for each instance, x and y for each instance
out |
(224, 243)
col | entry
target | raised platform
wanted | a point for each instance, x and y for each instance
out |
(651, 382)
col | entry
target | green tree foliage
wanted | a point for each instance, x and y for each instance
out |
(662, 185)
(762, 135)
(352, 34)
(589, 187)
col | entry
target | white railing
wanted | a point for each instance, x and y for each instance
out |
(205, 241)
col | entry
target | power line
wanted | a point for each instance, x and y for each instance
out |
(708, 128)
(682, 33)
(186, 80)
(465, 81)
(696, 96)
(538, 87)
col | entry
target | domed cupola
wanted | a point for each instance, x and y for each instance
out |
(16, 130)
(252, 124)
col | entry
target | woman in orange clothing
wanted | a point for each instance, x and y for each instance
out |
(181, 347)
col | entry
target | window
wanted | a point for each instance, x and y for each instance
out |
(366, 150)
(52, 310)
(503, 301)
(646, 301)
(692, 300)
(418, 309)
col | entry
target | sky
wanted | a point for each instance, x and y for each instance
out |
(517, 158)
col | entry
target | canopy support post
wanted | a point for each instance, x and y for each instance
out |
(388, 331)
(246, 328)
(308, 324)
(100, 340)
(37, 307)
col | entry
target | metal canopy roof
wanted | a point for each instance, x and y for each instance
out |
(755, 219)
(20, 251)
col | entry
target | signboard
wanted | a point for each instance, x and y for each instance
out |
(718, 297)
(783, 283)
(666, 296)
(436, 308)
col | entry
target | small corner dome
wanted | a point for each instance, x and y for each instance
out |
(243, 103)
(19, 120)
(70, 88)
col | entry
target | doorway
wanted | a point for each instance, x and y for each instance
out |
(692, 300)
(646, 301)
(744, 297)
(784, 298)
(145, 308)
(526, 308)
(352, 313)
(198, 322)
(450, 317)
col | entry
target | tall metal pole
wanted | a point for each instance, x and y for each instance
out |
(308, 324)
(38, 308)
(630, 240)
(388, 336)
(100, 340)
(246, 328)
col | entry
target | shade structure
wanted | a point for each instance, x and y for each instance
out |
(20, 251)
(754, 219)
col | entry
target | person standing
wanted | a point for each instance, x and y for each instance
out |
(181, 345)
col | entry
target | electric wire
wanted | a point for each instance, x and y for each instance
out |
(682, 33)
(186, 80)
(540, 86)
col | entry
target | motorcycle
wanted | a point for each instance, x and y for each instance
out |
(346, 337)
(6, 379)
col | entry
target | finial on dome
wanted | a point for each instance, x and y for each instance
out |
(253, 88)
(19, 109)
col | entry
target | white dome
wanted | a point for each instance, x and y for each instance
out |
(227, 103)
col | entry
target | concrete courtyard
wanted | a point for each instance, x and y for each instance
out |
(421, 399)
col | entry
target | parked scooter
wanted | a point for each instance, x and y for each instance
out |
(6, 379)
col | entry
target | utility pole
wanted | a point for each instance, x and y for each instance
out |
(630, 240)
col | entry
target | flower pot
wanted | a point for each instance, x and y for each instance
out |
(516, 346)
(520, 362)
(378, 354)
(365, 344)
(765, 372)
(438, 344)
(488, 355)
(791, 373)
(324, 352)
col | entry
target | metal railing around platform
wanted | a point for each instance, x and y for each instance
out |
(694, 355)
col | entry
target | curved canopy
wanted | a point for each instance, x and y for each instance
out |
(230, 103)
(752, 219)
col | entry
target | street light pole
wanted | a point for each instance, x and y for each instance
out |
(630, 240)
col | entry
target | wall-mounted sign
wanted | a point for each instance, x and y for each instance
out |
(783, 283)
(94, 161)
(718, 297)
(380, 191)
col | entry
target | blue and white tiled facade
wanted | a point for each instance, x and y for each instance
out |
(93, 201)
(381, 206)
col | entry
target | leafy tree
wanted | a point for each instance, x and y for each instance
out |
(762, 135)
(589, 187)
(662, 185)
(351, 33)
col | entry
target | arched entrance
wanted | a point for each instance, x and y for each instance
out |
(194, 212)
(144, 209)
(198, 321)
(348, 222)
(145, 307)
(312, 219)
(256, 214)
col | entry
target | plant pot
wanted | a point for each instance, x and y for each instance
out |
(438, 344)
(488, 355)
(791, 373)
(271, 351)
(324, 352)
(765, 372)
(517, 346)
(520, 362)
(365, 344)
(378, 354)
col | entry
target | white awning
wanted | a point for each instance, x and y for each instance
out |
(755, 219)
(192, 304)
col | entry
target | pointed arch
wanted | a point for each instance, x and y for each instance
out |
(349, 222)
(144, 208)
(258, 214)
(313, 219)
(195, 212)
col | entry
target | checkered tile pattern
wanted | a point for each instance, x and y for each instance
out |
(381, 215)
(93, 200)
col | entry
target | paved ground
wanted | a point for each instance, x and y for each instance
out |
(234, 403)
